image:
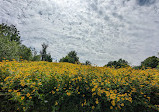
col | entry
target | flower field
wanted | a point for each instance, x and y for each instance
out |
(64, 87)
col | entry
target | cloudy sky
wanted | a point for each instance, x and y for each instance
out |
(99, 30)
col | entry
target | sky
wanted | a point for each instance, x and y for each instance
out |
(98, 30)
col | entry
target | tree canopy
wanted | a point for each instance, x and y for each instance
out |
(9, 32)
(150, 62)
(87, 62)
(10, 46)
(71, 58)
(44, 55)
(118, 64)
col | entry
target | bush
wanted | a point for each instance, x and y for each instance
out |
(8, 50)
(118, 64)
(71, 58)
(62, 87)
(10, 46)
(150, 62)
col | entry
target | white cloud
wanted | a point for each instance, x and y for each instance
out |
(99, 30)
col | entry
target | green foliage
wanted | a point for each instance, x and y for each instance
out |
(151, 62)
(137, 67)
(9, 32)
(87, 62)
(89, 89)
(36, 58)
(44, 55)
(8, 50)
(118, 64)
(71, 58)
(10, 46)
(25, 53)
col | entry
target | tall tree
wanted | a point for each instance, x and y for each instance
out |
(118, 64)
(44, 55)
(9, 32)
(10, 46)
(43, 52)
(150, 62)
(35, 56)
(25, 52)
(8, 50)
(87, 62)
(71, 58)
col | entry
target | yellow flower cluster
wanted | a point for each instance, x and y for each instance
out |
(117, 85)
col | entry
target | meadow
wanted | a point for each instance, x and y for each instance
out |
(63, 87)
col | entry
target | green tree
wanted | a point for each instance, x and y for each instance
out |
(87, 62)
(8, 50)
(10, 46)
(9, 32)
(48, 57)
(137, 67)
(121, 63)
(70, 58)
(44, 55)
(43, 52)
(150, 62)
(25, 53)
(35, 56)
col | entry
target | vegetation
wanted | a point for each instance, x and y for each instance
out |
(151, 62)
(25, 53)
(69, 87)
(9, 32)
(63, 87)
(8, 50)
(11, 47)
(71, 58)
(118, 64)
(87, 62)
(44, 55)
(35, 56)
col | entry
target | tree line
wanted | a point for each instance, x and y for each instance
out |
(12, 48)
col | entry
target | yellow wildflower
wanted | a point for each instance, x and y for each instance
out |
(97, 101)
(111, 107)
(22, 98)
(122, 104)
(18, 93)
(9, 90)
(113, 102)
(28, 94)
(30, 97)
(93, 107)
(68, 93)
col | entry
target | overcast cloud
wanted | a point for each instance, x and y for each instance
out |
(99, 30)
